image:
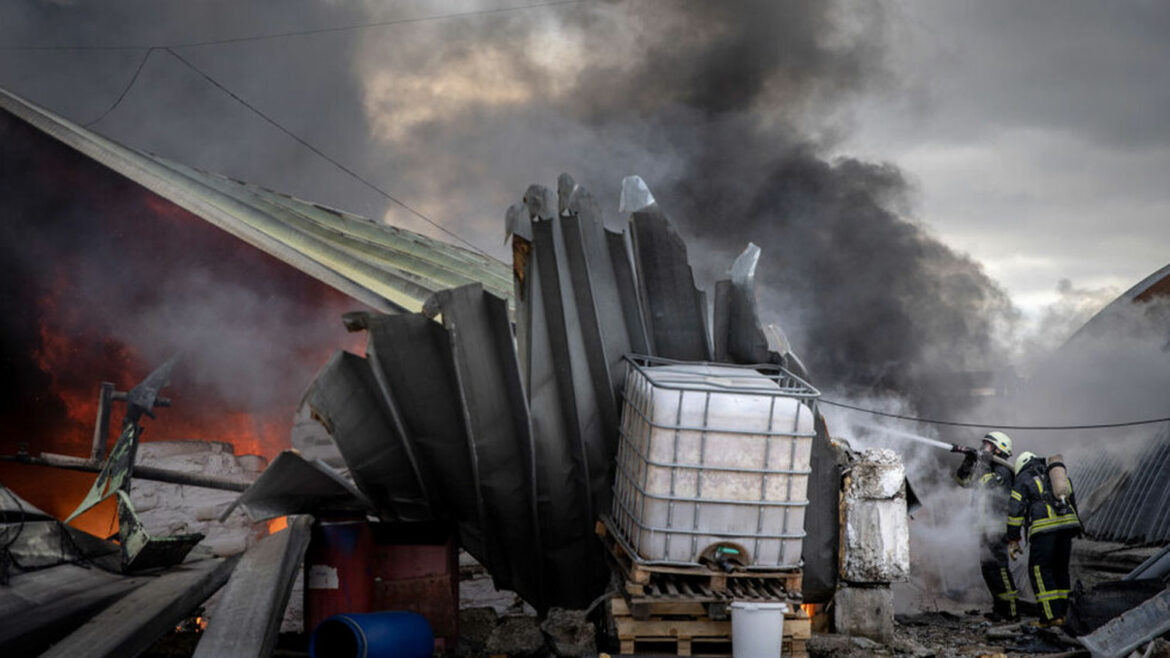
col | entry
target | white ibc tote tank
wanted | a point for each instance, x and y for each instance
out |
(713, 454)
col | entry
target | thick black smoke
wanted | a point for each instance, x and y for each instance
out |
(728, 110)
(723, 108)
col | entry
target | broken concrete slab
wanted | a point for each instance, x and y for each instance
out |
(866, 612)
(875, 524)
(877, 475)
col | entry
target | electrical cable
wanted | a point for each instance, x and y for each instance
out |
(125, 90)
(311, 31)
(320, 153)
(953, 423)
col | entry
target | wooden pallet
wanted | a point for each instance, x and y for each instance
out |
(639, 574)
(694, 634)
(670, 594)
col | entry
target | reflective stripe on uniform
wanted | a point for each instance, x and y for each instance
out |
(1015, 520)
(1064, 520)
(1016, 495)
(1042, 595)
(1009, 594)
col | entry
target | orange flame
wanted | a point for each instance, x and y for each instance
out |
(277, 524)
(79, 346)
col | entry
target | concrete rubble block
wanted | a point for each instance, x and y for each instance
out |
(875, 541)
(570, 632)
(475, 627)
(252, 463)
(865, 612)
(879, 474)
(207, 513)
(226, 545)
(517, 635)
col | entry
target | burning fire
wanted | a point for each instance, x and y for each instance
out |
(277, 524)
(192, 625)
(115, 281)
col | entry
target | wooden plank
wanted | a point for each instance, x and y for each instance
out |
(37, 606)
(132, 624)
(800, 629)
(690, 628)
(249, 613)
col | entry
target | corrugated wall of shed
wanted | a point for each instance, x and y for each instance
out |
(1127, 500)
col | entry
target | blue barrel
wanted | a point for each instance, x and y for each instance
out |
(373, 635)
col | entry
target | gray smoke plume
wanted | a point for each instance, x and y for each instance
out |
(726, 109)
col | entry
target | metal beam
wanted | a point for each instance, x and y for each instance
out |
(142, 472)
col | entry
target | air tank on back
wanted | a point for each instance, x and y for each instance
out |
(1058, 476)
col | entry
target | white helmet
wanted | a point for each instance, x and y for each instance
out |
(1000, 441)
(1023, 460)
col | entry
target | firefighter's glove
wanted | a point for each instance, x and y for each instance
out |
(1014, 550)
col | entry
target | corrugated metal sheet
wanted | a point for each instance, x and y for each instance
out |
(388, 268)
(1126, 501)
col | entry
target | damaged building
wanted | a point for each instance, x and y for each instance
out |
(646, 468)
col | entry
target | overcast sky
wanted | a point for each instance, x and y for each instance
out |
(1037, 135)
(1034, 136)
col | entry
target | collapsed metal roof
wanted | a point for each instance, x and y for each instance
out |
(388, 268)
(514, 437)
(1127, 500)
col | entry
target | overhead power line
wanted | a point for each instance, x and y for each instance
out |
(356, 176)
(125, 89)
(953, 423)
(305, 32)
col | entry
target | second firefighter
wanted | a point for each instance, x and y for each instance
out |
(1042, 503)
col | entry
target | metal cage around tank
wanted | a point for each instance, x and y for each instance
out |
(676, 436)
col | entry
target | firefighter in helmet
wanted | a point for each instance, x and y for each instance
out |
(989, 472)
(1049, 515)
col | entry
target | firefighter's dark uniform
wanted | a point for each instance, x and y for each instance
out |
(1051, 527)
(991, 477)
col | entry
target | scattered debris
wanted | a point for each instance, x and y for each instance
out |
(569, 632)
(518, 635)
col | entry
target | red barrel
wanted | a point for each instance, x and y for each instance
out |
(339, 570)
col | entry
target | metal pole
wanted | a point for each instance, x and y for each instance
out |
(143, 472)
(101, 429)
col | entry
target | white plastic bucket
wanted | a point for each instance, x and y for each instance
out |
(757, 628)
